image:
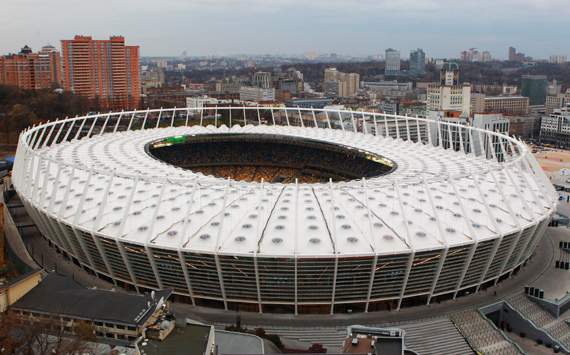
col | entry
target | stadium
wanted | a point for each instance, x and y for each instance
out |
(285, 210)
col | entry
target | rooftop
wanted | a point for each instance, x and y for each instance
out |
(58, 294)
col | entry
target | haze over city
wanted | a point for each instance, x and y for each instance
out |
(225, 27)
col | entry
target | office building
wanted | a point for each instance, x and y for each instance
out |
(534, 87)
(507, 105)
(392, 62)
(417, 61)
(554, 102)
(31, 71)
(262, 79)
(254, 93)
(106, 71)
(555, 128)
(392, 88)
(490, 122)
(449, 96)
(339, 84)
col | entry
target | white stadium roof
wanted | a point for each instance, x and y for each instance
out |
(435, 198)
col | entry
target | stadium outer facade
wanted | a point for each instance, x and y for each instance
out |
(463, 209)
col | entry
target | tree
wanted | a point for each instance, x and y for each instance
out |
(43, 336)
(19, 117)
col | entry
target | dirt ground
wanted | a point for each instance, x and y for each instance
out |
(552, 160)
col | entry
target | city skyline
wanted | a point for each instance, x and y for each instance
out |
(224, 27)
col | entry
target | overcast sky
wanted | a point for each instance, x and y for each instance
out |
(218, 27)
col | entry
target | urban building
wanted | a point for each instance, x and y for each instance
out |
(534, 87)
(309, 103)
(291, 81)
(527, 127)
(515, 56)
(31, 71)
(507, 105)
(116, 316)
(257, 94)
(262, 79)
(449, 96)
(392, 62)
(489, 122)
(339, 84)
(558, 59)
(230, 85)
(555, 128)
(474, 55)
(106, 71)
(392, 88)
(417, 61)
(554, 102)
(152, 78)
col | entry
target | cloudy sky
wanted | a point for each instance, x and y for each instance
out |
(218, 27)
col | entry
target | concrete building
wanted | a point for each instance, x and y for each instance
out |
(554, 102)
(252, 93)
(116, 316)
(534, 87)
(102, 70)
(558, 59)
(392, 62)
(527, 127)
(262, 79)
(339, 84)
(417, 61)
(507, 105)
(493, 123)
(13, 290)
(31, 71)
(390, 88)
(555, 128)
(449, 96)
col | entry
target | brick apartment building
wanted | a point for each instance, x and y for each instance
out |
(103, 70)
(31, 71)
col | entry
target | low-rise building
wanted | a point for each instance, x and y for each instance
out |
(555, 128)
(252, 93)
(114, 316)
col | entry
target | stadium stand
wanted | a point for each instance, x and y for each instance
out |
(557, 328)
(431, 337)
(482, 335)
(257, 158)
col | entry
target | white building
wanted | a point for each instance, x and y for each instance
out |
(449, 96)
(555, 128)
(392, 62)
(200, 101)
(252, 93)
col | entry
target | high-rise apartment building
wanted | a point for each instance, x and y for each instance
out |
(534, 87)
(558, 59)
(341, 84)
(31, 71)
(392, 62)
(102, 70)
(417, 61)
